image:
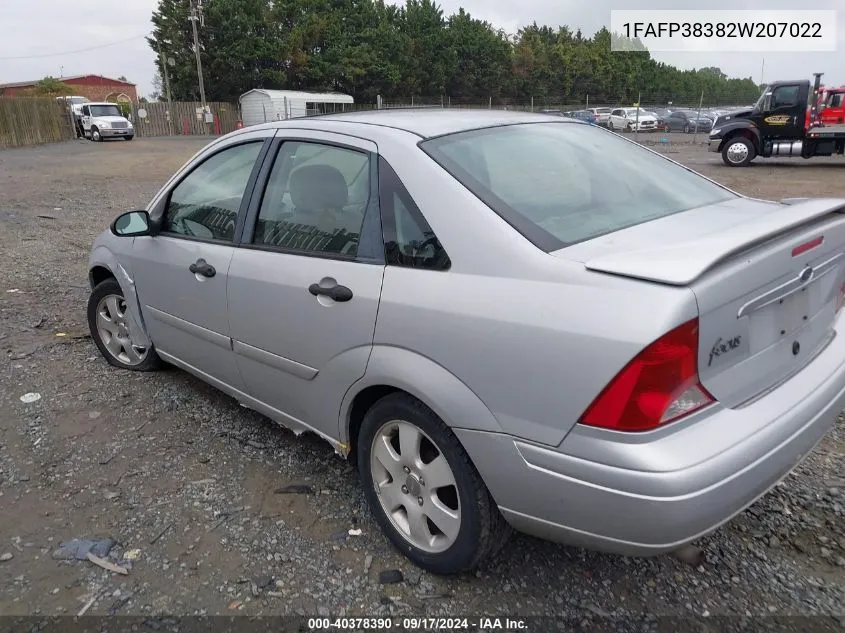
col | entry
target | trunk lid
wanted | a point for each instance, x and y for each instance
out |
(766, 277)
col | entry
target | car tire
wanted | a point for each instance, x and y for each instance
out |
(128, 138)
(610, 125)
(462, 505)
(738, 152)
(107, 323)
(686, 129)
(96, 136)
(667, 129)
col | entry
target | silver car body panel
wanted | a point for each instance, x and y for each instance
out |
(496, 348)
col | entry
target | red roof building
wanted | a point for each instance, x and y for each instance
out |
(94, 87)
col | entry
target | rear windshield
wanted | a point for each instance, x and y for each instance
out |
(563, 183)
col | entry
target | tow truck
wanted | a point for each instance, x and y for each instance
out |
(785, 122)
(832, 106)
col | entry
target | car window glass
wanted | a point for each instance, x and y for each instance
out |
(409, 240)
(554, 177)
(315, 199)
(784, 96)
(206, 203)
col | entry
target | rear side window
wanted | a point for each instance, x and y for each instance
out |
(409, 241)
(563, 183)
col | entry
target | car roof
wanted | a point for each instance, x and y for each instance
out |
(425, 123)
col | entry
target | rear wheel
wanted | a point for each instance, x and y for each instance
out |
(738, 152)
(107, 321)
(610, 125)
(423, 489)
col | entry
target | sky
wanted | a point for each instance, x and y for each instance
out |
(49, 37)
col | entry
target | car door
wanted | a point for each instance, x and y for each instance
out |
(181, 272)
(677, 121)
(614, 118)
(86, 119)
(305, 283)
(781, 119)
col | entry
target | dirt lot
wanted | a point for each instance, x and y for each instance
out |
(166, 465)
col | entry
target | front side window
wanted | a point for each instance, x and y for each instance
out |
(559, 184)
(784, 96)
(315, 200)
(205, 204)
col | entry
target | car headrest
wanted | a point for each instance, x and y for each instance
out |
(317, 188)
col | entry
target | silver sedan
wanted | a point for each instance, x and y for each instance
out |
(507, 320)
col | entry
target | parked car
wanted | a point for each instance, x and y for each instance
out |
(506, 319)
(687, 121)
(583, 115)
(105, 120)
(602, 115)
(628, 120)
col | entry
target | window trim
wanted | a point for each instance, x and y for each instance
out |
(371, 228)
(388, 220)
(247, 196)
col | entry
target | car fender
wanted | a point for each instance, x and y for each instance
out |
(440, 390)
(739, 127)
(104, 257)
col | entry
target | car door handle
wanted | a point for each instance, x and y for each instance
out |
(202, 267)
(338, 293)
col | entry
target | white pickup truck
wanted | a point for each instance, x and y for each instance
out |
(105, 120)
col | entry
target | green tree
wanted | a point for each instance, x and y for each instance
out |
(368, 48)
(52, 87)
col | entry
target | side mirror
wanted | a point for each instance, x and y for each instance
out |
(132, 224)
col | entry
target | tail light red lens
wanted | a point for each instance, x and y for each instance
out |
(660, 385)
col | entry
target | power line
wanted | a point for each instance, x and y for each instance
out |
(81, 50)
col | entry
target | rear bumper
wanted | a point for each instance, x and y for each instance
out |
(653, 493)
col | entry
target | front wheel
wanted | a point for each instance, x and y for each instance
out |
(95, 135)
(107, 321)
(423, 489)
(738, 152)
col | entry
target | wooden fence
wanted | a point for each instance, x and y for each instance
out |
(33, 121)
(182, 119)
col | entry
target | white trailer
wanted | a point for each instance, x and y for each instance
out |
(263, 106)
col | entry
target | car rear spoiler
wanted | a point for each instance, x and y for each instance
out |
(682, 263)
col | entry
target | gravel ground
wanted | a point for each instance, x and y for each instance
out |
(163, 464)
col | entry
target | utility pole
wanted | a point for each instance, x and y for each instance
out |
(164, 62)
(196, 16)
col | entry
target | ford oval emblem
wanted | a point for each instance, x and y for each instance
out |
(806, 274)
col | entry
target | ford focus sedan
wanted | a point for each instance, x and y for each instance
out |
(506, 320)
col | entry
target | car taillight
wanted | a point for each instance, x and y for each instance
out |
(660, 385)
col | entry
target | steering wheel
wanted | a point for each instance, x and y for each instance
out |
(424, 245)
